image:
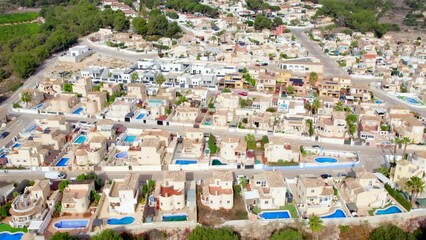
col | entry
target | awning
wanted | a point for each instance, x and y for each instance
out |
(350, 97)
(251, 195)
(352, 207)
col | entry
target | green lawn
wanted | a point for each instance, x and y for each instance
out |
(18, 17)
(11, 31)
(8, 228)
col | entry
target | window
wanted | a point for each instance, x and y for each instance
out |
(312, 191)
(266, 202)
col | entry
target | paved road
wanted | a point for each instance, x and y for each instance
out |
(331, 68)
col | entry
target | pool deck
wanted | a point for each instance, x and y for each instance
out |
(51, 228)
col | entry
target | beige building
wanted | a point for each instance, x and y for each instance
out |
(63, 102)
(36, 97)
(151, 152)
(57, 121)
(404, 170)
(31, 205)
(185, 113)
(96, 101)
(233, 149)
(29, 154)
(314, 195)
(277, 149)
(271, 189)
(83, 86)
(51, 86)
(51, 137)
(91, 154)
(217, 191)
(170, 193)
(411, 128)
(228, 101)
(105, 127)
(365, 191)
(76, 197)
(122, 195)
(333, 126)
(137, 90)
(110, 88)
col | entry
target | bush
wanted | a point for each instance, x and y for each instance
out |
(390, 232)
(237, 190)
(398, 197)
(207, 233)
(287, 234)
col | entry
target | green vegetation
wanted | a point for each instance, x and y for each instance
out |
(251, 141)
(8, 228)
(172, 15)
(315, 224)
(109, 234)
(184, 6)
(287, 234)
(62, 185)
(292, 209)
(262, 22)
(249, 78)
(4, 211)
(256, 5)
(415, 17)
(212, 144)
(206, 233)
(282, 163)
(390, 232)
(99, 182)
(226, 90)
(310, 125)
(156, 27)
(18, 17)
(24, 47)
(352, 121)
(415, 186)
(398, 197)
(62, 236)
(237, 191)
(383, 170)
(271, 110)
(68, 87)
(359, 15)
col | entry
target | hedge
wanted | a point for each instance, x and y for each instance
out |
(398, 197)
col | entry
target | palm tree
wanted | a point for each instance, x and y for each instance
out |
(134, 77)
(415, 185)
(26, 98)
(313, 78)
(396, 142)
(315, 224)
(405, 141)
(160, 79)
(383, 170)
(316, 104)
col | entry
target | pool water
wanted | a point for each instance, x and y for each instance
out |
(389, 210)
(81, 139)
(121, 155)
(275, 215)
(78, 111)
(174, 218)
(338, 213)
(120, 221)
(217, 162)
(155, 102)
(16, 145)
(378, 101)
(63, 162)
(186, 162)
(80, 223)
(11, 236)
(411, 100)
(140, 116)
(130, 138)
(325, 160)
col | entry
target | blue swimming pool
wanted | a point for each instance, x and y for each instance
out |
(275, 214)
(11, 236)
(71, 224)
(130, 138)
(174, 218)
(78, 111)
(63, 162)
(120, 221)
(412, 100)
(325, 160)
(185, 162)
(38, 106)
(121, 155)
(140, 116)
(389, 210)
(378, 101)
(81, 139)
(338, 213)
(3, 155)
(16, 145)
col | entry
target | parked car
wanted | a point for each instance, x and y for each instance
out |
(325, 176)
(341, 175)
(55, 175)
(316, 146)
(244, 94)
(4, 134)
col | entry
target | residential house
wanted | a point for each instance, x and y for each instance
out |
(314, 195)
(63, 102)
(278, 149)
(170, 192)
(82, 86)
(76, 196)
(271, 189)
(122, 194)
(233, 149)
(217, 191)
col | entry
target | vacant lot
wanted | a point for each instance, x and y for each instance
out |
(18, 17)
(11, 31)
(209, 217)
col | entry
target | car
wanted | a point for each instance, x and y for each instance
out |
(325, 176)
(341, 175)
(244, 94)
(73, 179)
(4, 134)
(317, 147)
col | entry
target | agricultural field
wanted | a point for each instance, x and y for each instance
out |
(11, 31)
(18, 17)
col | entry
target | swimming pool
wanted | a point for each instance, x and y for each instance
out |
(275, 214)
(16, 145)
(174, 218)
(63, 162)
(38, 106)
(378, 101)
(140, 116)
(71, 224)
(81, 139)
(120, 221)
(11, 236)
(78, 111)
(185, 162)
(217, 162)
(411, 100)
(338, 213)
(325, 160)
(121, 155)
(208, 122)
(130, 138)
(389, 210)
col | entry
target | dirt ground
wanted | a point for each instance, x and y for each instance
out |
(209, 217)
(95, 59)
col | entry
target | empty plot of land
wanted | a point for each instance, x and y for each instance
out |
(18, 17)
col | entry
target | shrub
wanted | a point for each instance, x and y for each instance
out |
(398, 197)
